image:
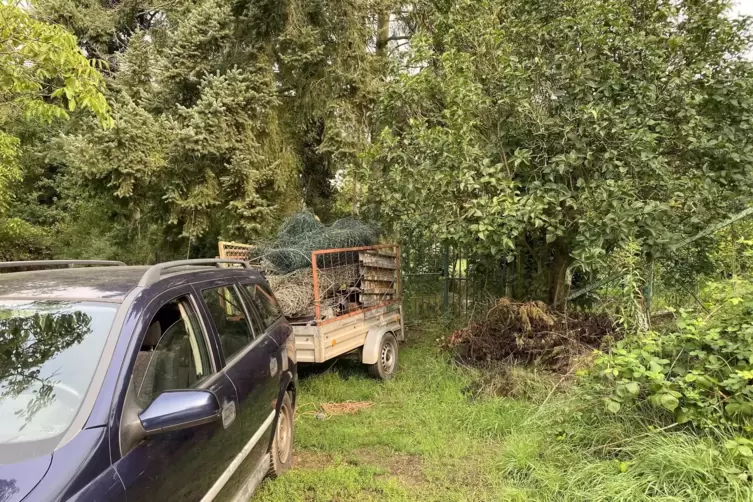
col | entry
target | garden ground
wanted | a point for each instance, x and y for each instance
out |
(439, 432)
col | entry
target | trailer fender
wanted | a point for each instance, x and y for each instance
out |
(371, 345)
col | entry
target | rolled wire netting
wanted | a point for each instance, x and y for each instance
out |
(287, 262)
(302, 234)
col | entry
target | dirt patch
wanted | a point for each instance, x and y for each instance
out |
(311, 460)
(346, 408)
(532, 333)
(408, 469)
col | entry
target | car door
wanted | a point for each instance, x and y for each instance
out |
(176, 352)
(253, 365)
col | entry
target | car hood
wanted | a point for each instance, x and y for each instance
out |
(18, 479)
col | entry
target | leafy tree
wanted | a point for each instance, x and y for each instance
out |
(558, 132)
(43, 76)
(228, 116)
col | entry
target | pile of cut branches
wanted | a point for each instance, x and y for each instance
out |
(532, 333)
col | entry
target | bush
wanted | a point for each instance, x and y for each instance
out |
(701, 371)
(20, 240)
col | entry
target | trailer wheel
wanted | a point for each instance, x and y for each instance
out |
(386, 365)
(281, 451)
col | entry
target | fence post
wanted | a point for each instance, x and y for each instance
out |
(446, 278)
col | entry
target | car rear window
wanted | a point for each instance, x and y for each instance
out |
(49, 351)
(229, 318)
(264, 303)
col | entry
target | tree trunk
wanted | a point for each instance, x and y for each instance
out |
(373, 206)
(383, 33)
(558, 277)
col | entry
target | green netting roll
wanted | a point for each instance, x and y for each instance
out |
(302, 233)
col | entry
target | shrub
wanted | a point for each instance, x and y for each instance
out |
(20, 240)
(701, 371)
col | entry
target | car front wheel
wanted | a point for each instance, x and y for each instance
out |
(281, 452)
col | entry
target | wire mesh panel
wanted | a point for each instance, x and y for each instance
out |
(350, 280)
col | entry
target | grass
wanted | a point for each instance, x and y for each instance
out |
(431, 434)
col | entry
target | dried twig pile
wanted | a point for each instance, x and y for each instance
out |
(532, 333)
(295, 291)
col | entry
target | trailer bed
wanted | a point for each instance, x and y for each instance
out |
(319, 343)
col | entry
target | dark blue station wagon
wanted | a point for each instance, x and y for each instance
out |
(170, 382)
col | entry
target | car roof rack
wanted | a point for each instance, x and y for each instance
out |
(154, 273)
(57, 263)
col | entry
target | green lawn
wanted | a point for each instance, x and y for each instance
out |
(430, 436)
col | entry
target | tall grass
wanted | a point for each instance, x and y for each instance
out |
(465, 442)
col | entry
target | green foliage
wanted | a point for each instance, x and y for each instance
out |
(20, 240)
(427, 438)
(39, 61)
(44, 76)
(570, 127)
(227, 117)
(700, 372)
(204, 150)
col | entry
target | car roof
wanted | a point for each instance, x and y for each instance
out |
(95, 283)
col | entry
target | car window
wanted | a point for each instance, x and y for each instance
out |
(174, 353)
(264, 303)
(49, 351)
(229, 317)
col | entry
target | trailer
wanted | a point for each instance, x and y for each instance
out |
(357, 307)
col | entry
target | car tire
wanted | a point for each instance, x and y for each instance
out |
(386, 364)
(281, 451)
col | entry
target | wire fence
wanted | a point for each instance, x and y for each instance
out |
(442, 280)
(694, 275)
(439, 279)
(433, 278)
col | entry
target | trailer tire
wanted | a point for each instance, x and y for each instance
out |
(281, 450)
(386, 364)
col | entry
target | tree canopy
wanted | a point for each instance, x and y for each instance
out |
(566, 130)
(44, 76)
(545, 135)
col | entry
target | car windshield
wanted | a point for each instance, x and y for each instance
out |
(49, 351)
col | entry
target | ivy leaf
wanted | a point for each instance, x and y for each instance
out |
(669, 401)
(633, 388)
(613, 405)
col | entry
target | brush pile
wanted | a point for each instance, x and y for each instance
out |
(294, 292)
(532, 333)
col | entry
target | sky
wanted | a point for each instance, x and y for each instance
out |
(744, 7)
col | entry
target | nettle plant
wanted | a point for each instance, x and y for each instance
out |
(701, 371)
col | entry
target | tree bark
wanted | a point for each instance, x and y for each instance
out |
(558, 277)
(383, 33)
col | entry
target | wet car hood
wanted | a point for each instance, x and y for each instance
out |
(18, 479)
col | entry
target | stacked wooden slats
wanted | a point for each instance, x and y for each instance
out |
(379, 276)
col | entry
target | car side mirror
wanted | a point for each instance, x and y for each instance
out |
(179, 409)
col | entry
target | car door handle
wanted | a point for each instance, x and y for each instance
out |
(273, 366)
